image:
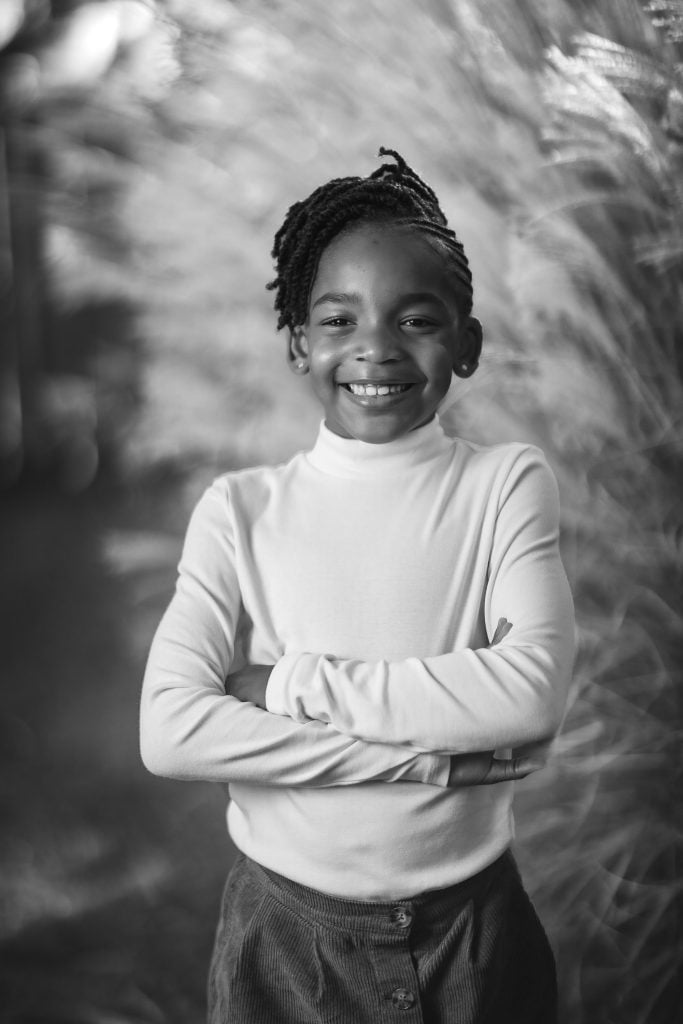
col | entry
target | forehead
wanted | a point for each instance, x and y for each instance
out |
(379, 258)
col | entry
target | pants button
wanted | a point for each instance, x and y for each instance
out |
(400, 916)
(403, 999)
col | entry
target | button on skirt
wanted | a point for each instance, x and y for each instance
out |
(475, 952)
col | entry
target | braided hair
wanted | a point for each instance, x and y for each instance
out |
(394, 194)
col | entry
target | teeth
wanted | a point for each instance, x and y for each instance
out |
(372, 390)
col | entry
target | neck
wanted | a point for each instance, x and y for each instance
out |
(341, 456)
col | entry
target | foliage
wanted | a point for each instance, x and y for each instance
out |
(553, 134)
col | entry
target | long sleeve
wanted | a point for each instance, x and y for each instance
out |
(466, 700)
(189, 727)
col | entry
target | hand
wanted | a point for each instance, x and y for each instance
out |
(249, 684)
(502, 630)
(483, 769)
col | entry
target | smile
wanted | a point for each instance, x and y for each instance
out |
(374, 390)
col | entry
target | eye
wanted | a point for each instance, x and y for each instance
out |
(419, 323)
(336, 321)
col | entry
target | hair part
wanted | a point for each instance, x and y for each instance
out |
(393, 194)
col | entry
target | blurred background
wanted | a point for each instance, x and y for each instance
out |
(148, 153)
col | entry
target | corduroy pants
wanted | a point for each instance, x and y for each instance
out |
(286, 954)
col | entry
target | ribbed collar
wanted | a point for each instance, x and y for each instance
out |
(341, 456)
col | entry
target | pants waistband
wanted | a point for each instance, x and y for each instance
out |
(378, 917)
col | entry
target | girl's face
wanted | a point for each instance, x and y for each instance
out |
(383, 334)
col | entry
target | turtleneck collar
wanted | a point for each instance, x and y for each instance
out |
(341, 456)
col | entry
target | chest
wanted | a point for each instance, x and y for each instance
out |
(383, 571)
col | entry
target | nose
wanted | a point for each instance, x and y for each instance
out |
(377, 345)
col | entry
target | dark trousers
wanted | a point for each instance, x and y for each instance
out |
(286, 954)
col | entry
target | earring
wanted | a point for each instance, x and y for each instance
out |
(466, 369)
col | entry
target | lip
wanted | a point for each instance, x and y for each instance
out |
(378, 381)
(378, 402)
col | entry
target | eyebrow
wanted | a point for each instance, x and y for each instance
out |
(353, 298)
(421, 297)
(343, 298)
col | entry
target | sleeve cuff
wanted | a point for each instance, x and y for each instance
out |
(277, 686)
(284, 692)
(440, 770)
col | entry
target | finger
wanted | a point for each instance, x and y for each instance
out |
(470, 769)
(508, 770)
(502, 630)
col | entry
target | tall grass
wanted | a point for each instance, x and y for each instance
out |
(550, 133)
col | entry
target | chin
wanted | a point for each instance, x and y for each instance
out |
(381, 431)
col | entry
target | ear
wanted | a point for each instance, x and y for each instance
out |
(297, 351)
(468, 349)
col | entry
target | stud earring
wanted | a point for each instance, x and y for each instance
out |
(466, 369)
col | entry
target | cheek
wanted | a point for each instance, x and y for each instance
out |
(440, 369)
(323, 360)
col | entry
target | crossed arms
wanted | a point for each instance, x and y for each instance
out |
(250, 684)
(312, 720)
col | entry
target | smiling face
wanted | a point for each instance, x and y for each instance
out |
(383, 334)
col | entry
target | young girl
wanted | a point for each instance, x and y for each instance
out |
(354, 634)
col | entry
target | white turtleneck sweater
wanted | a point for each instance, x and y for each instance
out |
(372, 577)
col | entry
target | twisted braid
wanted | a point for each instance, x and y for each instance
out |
(393, 193)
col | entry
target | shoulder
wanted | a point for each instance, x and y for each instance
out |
(230, 499)
(511, 458)
(512, 474)
(248, 488)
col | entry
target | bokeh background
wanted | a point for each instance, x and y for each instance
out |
(148, 152)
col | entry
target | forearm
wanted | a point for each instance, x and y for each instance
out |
(191, 731)
(457, 703)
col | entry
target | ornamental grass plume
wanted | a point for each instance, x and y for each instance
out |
(553, 134)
